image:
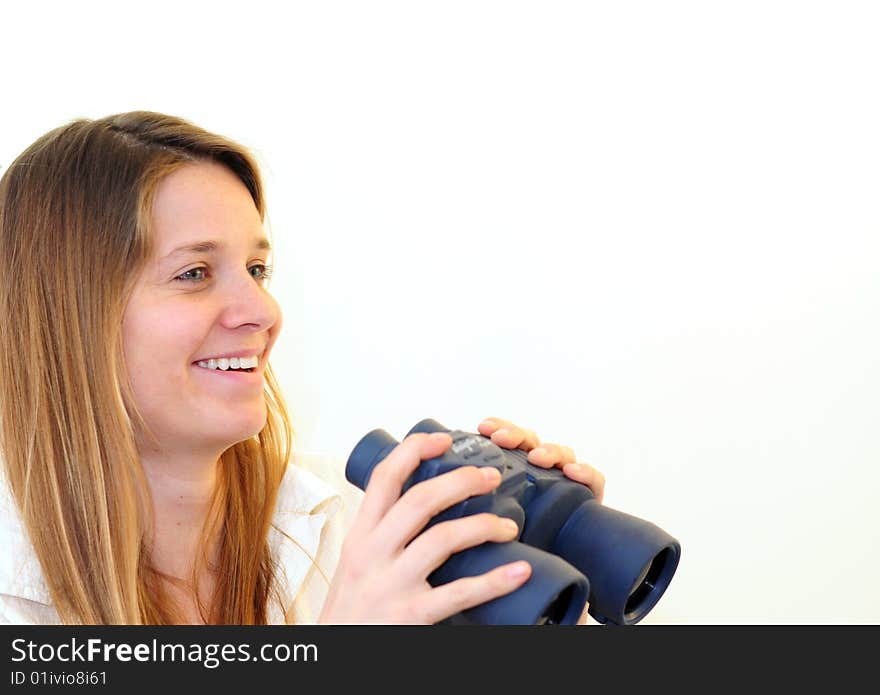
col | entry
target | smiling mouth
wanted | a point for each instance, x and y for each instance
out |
(249, 370)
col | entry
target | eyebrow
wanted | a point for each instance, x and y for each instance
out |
(211, 246)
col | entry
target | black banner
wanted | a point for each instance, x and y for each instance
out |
(438, 658)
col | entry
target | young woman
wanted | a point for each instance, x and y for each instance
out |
(144, 439)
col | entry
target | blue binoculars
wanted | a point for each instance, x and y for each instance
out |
(579, 550)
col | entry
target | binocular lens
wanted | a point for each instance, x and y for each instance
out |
(557, 609)
(647, 581)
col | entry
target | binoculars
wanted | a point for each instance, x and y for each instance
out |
(579, 550)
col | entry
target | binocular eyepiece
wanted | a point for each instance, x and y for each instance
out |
(579, 550)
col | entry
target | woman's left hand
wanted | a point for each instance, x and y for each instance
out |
(508, 436)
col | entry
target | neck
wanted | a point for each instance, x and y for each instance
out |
(182, 486)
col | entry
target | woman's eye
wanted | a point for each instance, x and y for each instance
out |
(265, 273)
(187, 277)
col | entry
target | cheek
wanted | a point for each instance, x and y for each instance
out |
(158, 348)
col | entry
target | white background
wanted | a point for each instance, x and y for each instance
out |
(645, 230)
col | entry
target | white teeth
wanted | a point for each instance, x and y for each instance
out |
(225, 363)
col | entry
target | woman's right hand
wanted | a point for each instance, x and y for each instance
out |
(382, 575)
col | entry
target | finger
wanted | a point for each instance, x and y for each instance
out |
(406, 519)
(433, 547)
(548, 455)
(585, 616)
(389, 475)
(454, 597)
(489, 425)
(589, 476)
(505, 434)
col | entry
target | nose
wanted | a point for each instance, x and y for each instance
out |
(248, 304)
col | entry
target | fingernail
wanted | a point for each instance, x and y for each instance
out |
(502, 433)
(511, 525)
(487, 423)
(541, 451)
(491, 475)
(518, 570)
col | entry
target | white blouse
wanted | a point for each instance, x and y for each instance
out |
(314, 510)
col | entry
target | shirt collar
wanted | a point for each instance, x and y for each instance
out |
(305, 504)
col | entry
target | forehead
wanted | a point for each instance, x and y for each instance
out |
(204, 200)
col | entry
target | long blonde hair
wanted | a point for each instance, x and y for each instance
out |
(74, 235)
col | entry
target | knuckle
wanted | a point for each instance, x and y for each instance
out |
(427, 499)
(499, 582)
(347, 547)
(415, 612)
(413, 440)
(542, 463)
(352, 544)
(381, 475)
(473, 476)
(495, 584)
(461, 592)
(353, 565)
(486, 523)
(386, 469)
(442, 534)
(465, 478)
(421, 496)
(458, 534)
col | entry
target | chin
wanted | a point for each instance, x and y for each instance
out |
(246, 431)
(234, 432)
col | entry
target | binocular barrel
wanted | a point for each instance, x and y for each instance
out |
(579, 550)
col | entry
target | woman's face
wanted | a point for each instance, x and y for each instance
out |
(194, 305)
